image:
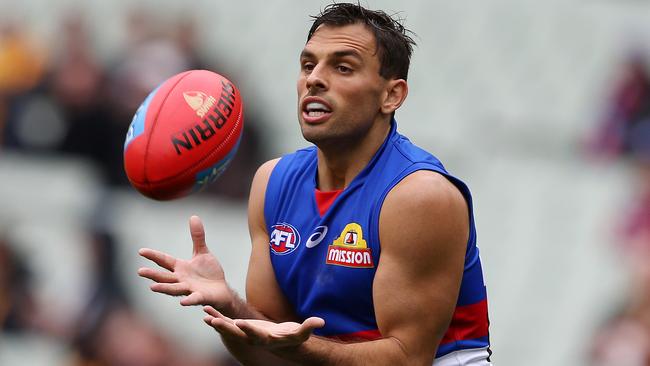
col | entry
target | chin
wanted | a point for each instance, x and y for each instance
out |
(314, 134)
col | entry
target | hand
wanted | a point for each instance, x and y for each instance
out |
(200, 279)
(262, 333)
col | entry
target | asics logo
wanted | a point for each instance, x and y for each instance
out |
(315, 238)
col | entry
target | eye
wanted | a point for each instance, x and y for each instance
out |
(307, 66)
(343, 69)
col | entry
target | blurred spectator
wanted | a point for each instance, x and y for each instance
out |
(21, 62)
(186, 38)
(149, 59)
(77, 85)
(124, 338)
(625, 339)
(106, 287)
(22, 66)
(17, 305)
(108, 331)
(628, 106)
(635, 227)
(625, 133)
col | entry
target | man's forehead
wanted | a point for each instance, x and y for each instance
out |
(355, 36)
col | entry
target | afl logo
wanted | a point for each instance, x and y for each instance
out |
(284, 239)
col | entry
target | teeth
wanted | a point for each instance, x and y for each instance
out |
(315, 113)
(316, 106)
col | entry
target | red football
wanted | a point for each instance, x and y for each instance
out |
(183, 135)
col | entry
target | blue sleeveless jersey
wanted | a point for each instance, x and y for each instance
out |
(325, 265)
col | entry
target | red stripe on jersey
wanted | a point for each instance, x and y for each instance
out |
(325, 199)
(468, 322)
(365, 335)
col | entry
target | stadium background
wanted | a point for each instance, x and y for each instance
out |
(504, 92)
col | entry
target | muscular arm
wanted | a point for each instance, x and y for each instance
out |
(263, 293)
(262, 289)
(424, 228)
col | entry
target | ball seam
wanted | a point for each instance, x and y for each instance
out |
(217, 149)
(148, 181)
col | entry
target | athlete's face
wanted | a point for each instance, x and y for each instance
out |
(340, 90)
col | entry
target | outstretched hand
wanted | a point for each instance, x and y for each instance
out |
(262, 333)
(201, 279)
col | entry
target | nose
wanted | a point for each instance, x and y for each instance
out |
(317, 78)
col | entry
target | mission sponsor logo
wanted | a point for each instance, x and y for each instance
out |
(284, 238)
(350, 249)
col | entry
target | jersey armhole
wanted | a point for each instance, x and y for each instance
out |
(462, 187)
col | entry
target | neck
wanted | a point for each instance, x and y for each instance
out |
(340, 163)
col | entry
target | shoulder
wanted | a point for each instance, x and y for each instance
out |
(261, 178)
(424, 207)
(257, 196)
(265, 169)
(291, 161)
(426, 189)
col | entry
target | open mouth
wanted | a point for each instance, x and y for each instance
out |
(315, 110)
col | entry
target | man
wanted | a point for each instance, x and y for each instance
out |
(364, 248)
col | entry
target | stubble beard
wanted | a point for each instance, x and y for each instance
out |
(333, 137)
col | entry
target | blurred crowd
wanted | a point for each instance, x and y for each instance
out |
(62, 99)
(624, 135)
(106, 331)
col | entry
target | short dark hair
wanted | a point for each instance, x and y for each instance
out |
(394, 45)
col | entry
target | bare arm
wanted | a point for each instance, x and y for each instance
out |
(424, 230)
(262, 290)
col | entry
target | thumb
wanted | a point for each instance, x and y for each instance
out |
(312, 323)
(195, 298)
(198, 236)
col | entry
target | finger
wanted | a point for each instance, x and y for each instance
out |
(217, 314)
(158, 276)
(256, 334)
(226, 329)
(301, 331)
(195, 298)
(164, 260)
(212, 311)
(198, 236)
(208, 319)
(307, 327)
(173, 289)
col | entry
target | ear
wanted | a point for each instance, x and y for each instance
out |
(394, 95)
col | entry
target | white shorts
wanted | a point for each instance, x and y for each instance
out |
(465, 357)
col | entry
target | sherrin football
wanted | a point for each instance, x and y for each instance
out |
(183, 135)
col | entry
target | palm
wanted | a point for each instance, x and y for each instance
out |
(204, 276)
(264, 333)
(202, 267)
(200, 279)
(278, 330)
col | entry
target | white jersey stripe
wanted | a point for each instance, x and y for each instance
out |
(465, 357)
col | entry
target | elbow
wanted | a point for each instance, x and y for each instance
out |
(411, 357)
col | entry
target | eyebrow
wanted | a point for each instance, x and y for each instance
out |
(337, 54)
